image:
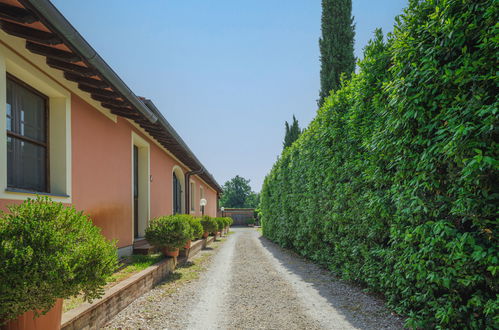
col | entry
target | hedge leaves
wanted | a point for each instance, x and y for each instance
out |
(394, 183)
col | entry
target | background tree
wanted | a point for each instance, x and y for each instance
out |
(238, 194)
(292, 133)
(336, 45)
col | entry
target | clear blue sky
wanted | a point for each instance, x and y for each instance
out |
(226, 74)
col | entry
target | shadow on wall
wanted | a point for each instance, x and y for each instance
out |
(361, 310)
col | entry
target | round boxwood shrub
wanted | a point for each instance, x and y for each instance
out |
(50, 251)
(209, 224)
(196, 226)
(229, 221)
(171, 231)
(226, 222)
(220, 224)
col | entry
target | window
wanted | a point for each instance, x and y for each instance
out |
(191, 197)
(27, 141)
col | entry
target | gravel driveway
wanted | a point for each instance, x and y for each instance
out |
(250, 283)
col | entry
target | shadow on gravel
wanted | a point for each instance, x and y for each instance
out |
(361, 310)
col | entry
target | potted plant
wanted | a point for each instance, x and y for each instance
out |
(229, 221)
(49, 252)
(209, 225)
(169, 233)
(251, 222)
(197, 228)
(220, 226)
(188, 218)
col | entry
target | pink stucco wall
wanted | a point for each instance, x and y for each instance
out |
(209, 194)
(102, 173)
(102, 170)
(101, 176)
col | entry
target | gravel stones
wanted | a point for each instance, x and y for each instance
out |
(250, 283)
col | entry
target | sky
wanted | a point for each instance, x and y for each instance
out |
(226, 74)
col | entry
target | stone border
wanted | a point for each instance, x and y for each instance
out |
(100, 311)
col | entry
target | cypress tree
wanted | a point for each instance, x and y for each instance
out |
(336, 45)
(292, 133)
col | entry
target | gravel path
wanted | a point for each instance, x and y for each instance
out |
(250, 283)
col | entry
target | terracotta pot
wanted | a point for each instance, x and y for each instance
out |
(170, 252)
(187, 245)
(205, 234)
(26, 321)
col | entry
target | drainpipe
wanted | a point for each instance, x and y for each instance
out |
(187, 178)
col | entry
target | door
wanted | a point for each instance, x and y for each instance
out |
(135, 191)
(177, 195)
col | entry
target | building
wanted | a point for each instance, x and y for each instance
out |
(76, 132)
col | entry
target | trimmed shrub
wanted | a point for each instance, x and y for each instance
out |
(220, 224)
(209, 224)
(197, 228)
(171, 231)
(394, 183)
(229, 221)
(50, 251)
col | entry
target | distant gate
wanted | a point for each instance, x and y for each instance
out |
(241, 217)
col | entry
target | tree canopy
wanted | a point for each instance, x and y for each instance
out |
(238, 194)
(336, 45)
(292, 133)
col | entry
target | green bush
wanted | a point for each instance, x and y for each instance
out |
(209, 224)
(197, 227)
(220, 224)
(50, 251)
(171, 231)
(394, 183)
(229, 221)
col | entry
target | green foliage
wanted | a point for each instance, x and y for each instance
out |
(209, 224)
(171, 231)
(50, 251)
(220, 223)
(196, 226)
(228, 221)
(291, 134)
(336, 45)
(237, 194)
(394, 183)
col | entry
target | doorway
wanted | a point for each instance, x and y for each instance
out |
(135, 191)
(177, 195)
(140, 186)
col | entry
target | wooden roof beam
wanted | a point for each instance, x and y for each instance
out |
(98, 91)
(110, 100)
(51, 52)
(16, 14)
(123, 112)
(28, 33)
(91, 82)
(69, 67)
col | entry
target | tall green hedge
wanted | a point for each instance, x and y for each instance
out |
(394, 183)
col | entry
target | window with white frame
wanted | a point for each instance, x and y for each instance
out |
(35, 146)
(27, 140)
(192, 196)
